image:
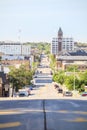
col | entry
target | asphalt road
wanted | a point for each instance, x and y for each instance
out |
(43, 115)
(42, 79)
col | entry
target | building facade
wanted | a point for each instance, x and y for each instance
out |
(14, 49)
(60, 44)
(4, 85)
(54, 46)
(63, 62)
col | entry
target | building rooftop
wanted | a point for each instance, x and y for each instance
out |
(77, 58)
(60, 32)
(78, 53)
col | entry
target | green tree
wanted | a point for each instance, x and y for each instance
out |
(59, 77)
(20, 77)
(72, 68)
(34, 66)
(82, 81)
(70, 81)
(53, 63)
(83, 77)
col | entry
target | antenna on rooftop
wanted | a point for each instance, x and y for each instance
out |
(19, 35)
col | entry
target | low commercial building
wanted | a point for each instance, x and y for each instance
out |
(9, 48)
(64, 61)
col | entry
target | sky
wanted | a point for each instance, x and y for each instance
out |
(39, 20)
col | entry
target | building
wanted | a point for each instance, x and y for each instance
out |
(60, 44)
(54, 46)
(60, 39)
(4, 85)
(15, 49)
(78, 58)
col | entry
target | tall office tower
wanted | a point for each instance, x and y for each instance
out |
(60, 44)
(60, 37)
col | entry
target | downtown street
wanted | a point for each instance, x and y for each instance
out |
(44, 109)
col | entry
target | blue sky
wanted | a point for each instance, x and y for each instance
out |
(39, 20)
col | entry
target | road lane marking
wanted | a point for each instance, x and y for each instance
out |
(10, 124)
(22, 110)
(63, 111)
(80, 112)
(74, 104)
(77, 120)
(19, 111)
(9, 112)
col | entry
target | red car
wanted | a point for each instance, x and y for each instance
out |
(84, 94)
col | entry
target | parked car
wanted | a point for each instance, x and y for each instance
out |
(60, 90)
(84, 94)
(31, 87)
(34, 76)
(23, 94)
(56, 86)
(51, 73)
(67, 93)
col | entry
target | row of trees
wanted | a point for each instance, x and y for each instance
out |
(41, 46)
(79, 44)
(72, 80)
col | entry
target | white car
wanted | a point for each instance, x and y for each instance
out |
(23, 94)
(67, 93)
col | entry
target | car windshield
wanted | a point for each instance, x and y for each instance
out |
(68, 92)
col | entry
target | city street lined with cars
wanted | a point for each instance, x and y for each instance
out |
(49, 106)
(43, 87)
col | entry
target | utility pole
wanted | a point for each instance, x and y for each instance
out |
(19, 39)
(74, 79)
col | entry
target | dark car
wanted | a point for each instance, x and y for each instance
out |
(67, 93)
(33, 85)
(31, 88)
(35, 76)
(60, 90)
(51, 73)
(56, 86)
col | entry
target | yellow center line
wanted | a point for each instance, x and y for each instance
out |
(9, 112)
(11, 124)
(20, 111)
(63, 111)
(80, 112)
(77, 120)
